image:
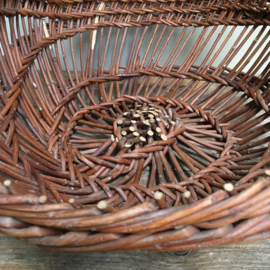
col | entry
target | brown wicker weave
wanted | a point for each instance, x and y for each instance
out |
(104, 152)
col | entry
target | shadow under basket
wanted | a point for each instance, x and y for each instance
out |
(130, 125)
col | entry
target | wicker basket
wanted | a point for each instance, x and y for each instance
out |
(102, 151)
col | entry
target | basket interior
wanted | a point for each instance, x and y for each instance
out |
(96, 107)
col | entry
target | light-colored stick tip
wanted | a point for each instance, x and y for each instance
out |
(163, 137)
(7, 183)
(267, 172)
(71, 200)
(146, 122)
(131, 129)
(133, 121)
(142, 139)
(136, 134)
(128, 144)
(136, 115)
(158, 129)
(42, 199)
(119, 122)
(187, 194)
(124, 133)
(112, 138)
(158, 195)
(102, 205)
(150, 132)
(228, 187)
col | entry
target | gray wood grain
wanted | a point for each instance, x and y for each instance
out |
(17, 254)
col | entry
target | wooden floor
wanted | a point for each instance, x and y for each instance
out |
(17, 255)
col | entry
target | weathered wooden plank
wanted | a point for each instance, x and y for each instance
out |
(17, 254)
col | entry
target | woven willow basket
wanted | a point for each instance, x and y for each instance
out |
(119, 133)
